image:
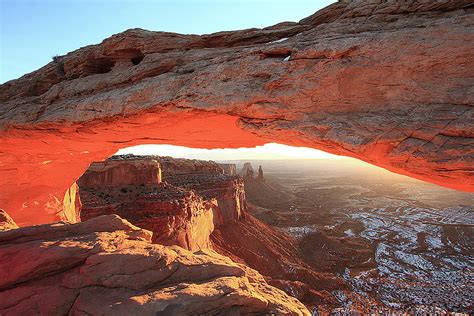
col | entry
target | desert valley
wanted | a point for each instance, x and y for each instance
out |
(341, 236)
(379, 221)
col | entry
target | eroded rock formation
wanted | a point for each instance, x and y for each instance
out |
(383, 81)
(247, 171)
(120, 172)
(227, 190)
(199, 207)
(108, 266)
(6, 222)
(195, 197)
(178, 166)
(175, 216)
(229, 168)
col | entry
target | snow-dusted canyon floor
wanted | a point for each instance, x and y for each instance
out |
(401, 244)
(424, 257)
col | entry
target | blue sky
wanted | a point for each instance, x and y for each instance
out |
(32, 31)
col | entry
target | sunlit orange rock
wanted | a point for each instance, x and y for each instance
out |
(199, 207)
(386, 82)
(175, 216)
(132, 187)
(183, 210)
(115, 172)
(108, 266)
(6, 222)
(210, 181)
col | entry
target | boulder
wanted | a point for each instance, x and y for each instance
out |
(108, 266)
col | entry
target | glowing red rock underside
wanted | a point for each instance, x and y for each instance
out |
(387, 83)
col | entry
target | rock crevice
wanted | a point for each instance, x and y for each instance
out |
(113, 268)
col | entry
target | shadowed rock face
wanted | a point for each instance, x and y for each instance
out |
(195, 196)
(197, 207)
(108, 266)
(113, 173)
(385, 82)
(131, 187)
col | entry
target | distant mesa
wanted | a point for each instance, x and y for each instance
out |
(248, 172)
(229, 168)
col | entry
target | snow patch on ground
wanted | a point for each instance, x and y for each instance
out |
(300, 231)
(279, 40)
(424, 257)
(349, 233)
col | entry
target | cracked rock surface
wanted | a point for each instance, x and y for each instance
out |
(108, 266)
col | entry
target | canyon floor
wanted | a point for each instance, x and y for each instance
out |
(402, 244)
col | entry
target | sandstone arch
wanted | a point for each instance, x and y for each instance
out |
(388, 83)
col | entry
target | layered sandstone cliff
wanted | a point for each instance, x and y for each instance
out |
(387, 82)
(173, 210)
(131, 187)
(177, 166)
(227, 190)
(115, 172)
(210, 180)
(195, 196)
(108, 266)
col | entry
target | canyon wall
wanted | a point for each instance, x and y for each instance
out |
(114, 172)
(210, 180)
(176, 166)
(386, 82)
(198, 207)
(183, 210)
(227, 190)
(174, 215)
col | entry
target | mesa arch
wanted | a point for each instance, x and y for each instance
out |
(388, 83)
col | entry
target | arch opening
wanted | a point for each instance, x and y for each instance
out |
(348, 221)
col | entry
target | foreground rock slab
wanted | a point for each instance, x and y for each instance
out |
(108, 266)
(388, 82)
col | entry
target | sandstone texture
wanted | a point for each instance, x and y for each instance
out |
(175, 216)
(388, 82)
(114, 172)
(108, 266)
(227, 190)
(199, 207)
(6, 222)
(178, 166)
(183, 210)
(207, 178)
